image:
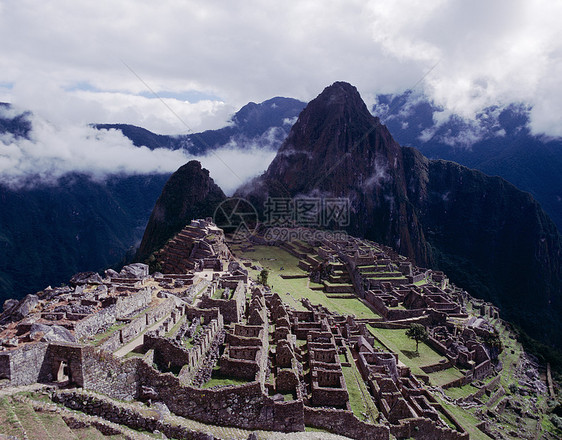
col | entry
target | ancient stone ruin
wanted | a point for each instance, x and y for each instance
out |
(202, 338)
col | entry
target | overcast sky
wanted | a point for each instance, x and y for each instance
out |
(77, 62)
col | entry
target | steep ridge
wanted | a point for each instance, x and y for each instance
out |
(498, 142)
(49, 233)
(338, 149)
(491, 238)
(189, 193)
(264, 125)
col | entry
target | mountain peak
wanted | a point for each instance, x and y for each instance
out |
(189, 193)
(339, 102)
(338, 149)
(340, 91)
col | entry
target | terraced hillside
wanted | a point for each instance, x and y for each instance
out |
(320, 349)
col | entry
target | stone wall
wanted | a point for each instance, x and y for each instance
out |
(124, 415)
(27, 364)
(440, 366)
(425, 429)
(94, 323)
(482, 370)
(5, 368)
(124, 306)
(137, 326)
(169, 352)
(344, 423)
(390, 314)
(232, 309)
(66, 359)
(128, 304)
(490, 386)
(105, 374)
(244, 406)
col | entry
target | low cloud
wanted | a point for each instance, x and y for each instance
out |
(379, 176)
(51, 151)
(231, 167)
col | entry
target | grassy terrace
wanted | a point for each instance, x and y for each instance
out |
(176, 327)
(219, 380)
(291, 291)
(360, 400)
(398, 342)
(218, 293)
(274, 258)
(101, 337)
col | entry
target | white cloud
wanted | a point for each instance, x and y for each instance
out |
(163, 116)
(484, 52)
(481, 53)
(53, 151)
(231, 167)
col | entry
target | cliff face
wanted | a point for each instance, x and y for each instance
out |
(189, 193)
(493, 239)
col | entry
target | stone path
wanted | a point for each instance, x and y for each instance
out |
(138, 341)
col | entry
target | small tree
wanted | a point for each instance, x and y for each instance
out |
(418, 333)
(494, 343)
(262, 277)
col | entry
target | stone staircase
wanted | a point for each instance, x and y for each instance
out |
(175, 256)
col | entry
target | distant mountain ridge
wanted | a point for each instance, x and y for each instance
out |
(490, 237)
(498, 142)
(263, 125)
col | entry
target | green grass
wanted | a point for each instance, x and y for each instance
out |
(467, 420)
(98, 339)
(443, 377)
(359, 398)
(218, 293)
(397, 342)
(8, 421)
(273, 258)
(460, 392)
(175, 328)
(223, 381)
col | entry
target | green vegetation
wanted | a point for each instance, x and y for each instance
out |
(293, 290)
(219, 380)
(396, 341)
(102, 337)
(443, 377)
(360, 399)
(218, 293)
(175, 328)
(263, 276)
(418, 333)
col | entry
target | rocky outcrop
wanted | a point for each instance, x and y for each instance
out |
(492, 239)
(189, 193)
(337, 149)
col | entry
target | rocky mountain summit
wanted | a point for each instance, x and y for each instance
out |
(190, 192)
